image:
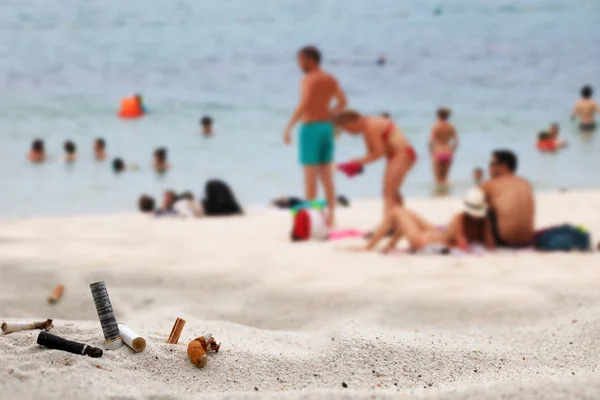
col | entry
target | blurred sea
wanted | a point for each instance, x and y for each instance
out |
(507, 68)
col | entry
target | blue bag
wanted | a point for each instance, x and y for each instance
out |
(562, 238)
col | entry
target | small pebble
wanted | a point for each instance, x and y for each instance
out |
(344, 385)
(255, 389)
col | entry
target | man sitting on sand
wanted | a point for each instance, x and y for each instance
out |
(585, 110)
(511, 202)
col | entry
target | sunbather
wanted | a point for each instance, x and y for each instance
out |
(466, 228)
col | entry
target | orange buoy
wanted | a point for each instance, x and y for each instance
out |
(131, 108)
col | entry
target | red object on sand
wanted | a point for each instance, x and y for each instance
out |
(350, 168)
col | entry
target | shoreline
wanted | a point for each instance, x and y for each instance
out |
(297, 320)
(257, 208)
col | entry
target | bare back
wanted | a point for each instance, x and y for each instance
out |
(443, 137)
(585, 110)
(512, 200)
(319, 88)
(393, 141)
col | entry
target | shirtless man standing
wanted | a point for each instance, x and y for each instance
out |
(511, 202)
(585, 109)
(442, 145)
(316, 142)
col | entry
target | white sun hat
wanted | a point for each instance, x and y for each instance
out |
(474, 203)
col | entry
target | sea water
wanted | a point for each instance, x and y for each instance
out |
(507, 68)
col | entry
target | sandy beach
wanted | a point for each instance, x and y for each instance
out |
(300, 320)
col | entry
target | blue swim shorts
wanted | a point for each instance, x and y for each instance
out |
(316, 143)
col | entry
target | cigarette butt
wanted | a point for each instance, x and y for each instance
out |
(57, 343)
(176, 331)
(198, 348)
(56, 294)
(132, 339)
(10, 327)
(197, 353)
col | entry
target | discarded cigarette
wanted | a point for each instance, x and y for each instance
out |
(10, 327)
(176, 331)
(132, 339)
(106, 316)
(57, 343)
(198, 348)
(56, 294)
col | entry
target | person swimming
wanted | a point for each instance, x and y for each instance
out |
(37, 153)
(442, 145)
(118, 165)
(100, 149)
(70, 151)
(549, 141)
(161, 165)
(206, 123)
(585, 110)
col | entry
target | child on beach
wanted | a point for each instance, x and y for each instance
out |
(382, 139)
(466, 228)
(478, 176)
(37, 154)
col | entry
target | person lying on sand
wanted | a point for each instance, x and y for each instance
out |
(465, 229)
(511, 202)
(186, 205)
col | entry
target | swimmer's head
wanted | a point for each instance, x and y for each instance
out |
(543, 136)
(99, 145)
(118, 165)
(69, 147)
(587, 92)
(554, 130)
(160, 154)
(309, 58)
(444, 113)
(350, 121)
(386, 115)
(206, 122)
(37, 146)
(138, 97)
(146, 204)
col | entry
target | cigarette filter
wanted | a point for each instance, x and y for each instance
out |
(56, 294)
(132, 339)
(176, 331)
(10, 327)
(106, 316)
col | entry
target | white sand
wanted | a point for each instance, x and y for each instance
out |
(297, 320)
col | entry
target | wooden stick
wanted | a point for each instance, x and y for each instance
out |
(10, 327)
(56, 294)
(176, 331)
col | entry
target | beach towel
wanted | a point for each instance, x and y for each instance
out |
(562, 238)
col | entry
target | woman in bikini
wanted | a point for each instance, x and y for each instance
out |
(468, 227)
(442, 145)
(382, 139)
